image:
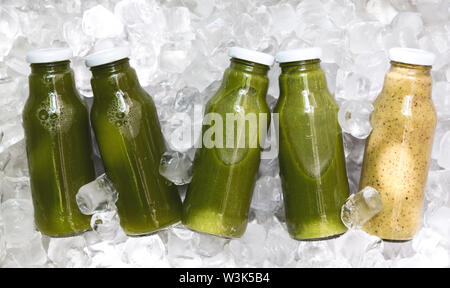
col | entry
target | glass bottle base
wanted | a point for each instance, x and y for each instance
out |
(211, 234)
(65, 235)
(318, 238)
(396, 240)
(149, 233)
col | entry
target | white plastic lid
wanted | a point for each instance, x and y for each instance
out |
(49, 55)
(107, 56)
(251, 55)
(299, 55)
(411, 56)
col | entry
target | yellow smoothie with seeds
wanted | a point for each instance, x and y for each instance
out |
(398, 150)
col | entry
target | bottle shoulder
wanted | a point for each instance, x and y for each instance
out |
(306, 101)
(241, 99)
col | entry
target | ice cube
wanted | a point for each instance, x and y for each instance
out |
(280, 246)
(439, 221)
(9, 27)
(292, 42)
(186, 98)
(269, 167)
(382, 10)
(330, 41)
(341, 12)
(202, 67)
(212, 34)
(30, 253)
(97, 196)
(316, 254)
(178, 19)
(330, 70)
(442, 127)
(441, 98)
(408, 20)
(174, 58)
(181, 133)
(70, 7)
(12, 133)
(352, 86)
(443, 157)
(248, 32)
(435, 39)
(393, 250)
(144, 252)
(400, 38)
(312, 18)
(181, 248)
(106, 254)
(15, 188)
(361, 207)
(437, 189)
(354, 118)
(433, 11)
(199, 7)
(431, 248)
(285, 19)
(79, 42)
(2, 241)
(135, 12)
(82, 80)
(176, 167)
(374, 67)
(359, 32)
(209, 245)
(267, 194)
(18, 221)
(106, 224)
(17, 66)
(249, 250)
(69, 252)
(358, 248)
(164, 95)
(17, 165)
(99, 22)
(403, 5)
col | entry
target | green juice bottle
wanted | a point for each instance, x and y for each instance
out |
(128, 133)
(58, 143)
(218, 198)
(311, 153)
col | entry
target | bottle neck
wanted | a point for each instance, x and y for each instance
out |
(111, 68)
(410, 69)
(407, 80)
(50, 68)
(249, 67)
(306, 65)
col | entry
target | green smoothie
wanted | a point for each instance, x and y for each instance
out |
(311, 154)
(58, 144)
(128, 133)
(218, 199)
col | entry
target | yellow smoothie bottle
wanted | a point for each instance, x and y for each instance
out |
(398, 150)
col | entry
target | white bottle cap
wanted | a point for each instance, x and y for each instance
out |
(299, 55)
(107, 56)
(411, 56)
(49, 55)
(251, 55)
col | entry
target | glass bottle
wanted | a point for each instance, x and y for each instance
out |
(128, 133)
(311, 153)
(58, 143)
(218, 198)
(398, 150)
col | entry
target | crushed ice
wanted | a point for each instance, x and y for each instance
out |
(179, 50)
